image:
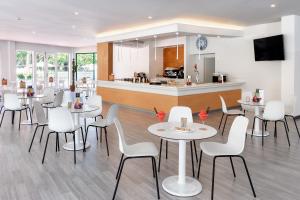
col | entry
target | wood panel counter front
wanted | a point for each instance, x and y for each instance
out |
(146, 97)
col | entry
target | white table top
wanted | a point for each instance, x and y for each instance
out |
(85, 108)
(167, 130)
(251, 103)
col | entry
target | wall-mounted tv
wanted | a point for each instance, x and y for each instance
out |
(269, 48)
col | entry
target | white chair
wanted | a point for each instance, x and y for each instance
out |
(290, 111)
(227, 113)
(95, 100)
(49, 95)
(233, 148)
(104, 123)
(273, 112)
(58, 99)
(138, 150)
(12, 104)
(61, 121)
(175, 115)
(41, 121)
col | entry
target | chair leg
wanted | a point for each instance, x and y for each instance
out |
(107, 150)
(285, 119)
(86, 133)
(244, 161)
(275, 129)
(74, 148)
(96, 129)
(66, 138)
(26, 114)
(156, 178)
(199, 164)
(266, 125)
(166, 149)
(119, 166)
(253, 126)
(153, 167)
(262, 131)
(224, 124)
(46, 147)
(58, 141)
(159, 157)
(20, 118)
(82, 135)
(2, 117)
(296, 126)
(118, 180)
(100, 135)
(13, 117)
(36, 128)
(221, 121)
(42, 134)
(213, 178)
(287, 133)
(195, 148)
(192, 158)
(232, 166)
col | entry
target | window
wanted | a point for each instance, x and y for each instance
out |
(24, 66)
(58, 70)
(86, 65)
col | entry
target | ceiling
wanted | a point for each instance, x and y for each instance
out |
(55, 22)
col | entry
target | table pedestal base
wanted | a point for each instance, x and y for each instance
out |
(258, 133)
(79, 146)
(191, 187)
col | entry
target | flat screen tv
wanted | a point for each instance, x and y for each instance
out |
(269, 48)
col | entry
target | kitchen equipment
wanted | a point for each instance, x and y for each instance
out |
(172, 72)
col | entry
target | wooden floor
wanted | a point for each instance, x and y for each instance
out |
(275, 169)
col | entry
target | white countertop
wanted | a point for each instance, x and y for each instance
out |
(178, 90)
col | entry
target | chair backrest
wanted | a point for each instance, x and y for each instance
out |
(177, 112)
(290, 104)
(11, 101)
(237, 134)
(95, 100)
(274, 110)
(122, 141)
(224, 107)
(39, 112)
(112, 114)
(58, 99)
(49, 92)
(60, 120)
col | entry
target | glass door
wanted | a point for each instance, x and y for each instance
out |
(62, 60)
(86, 65)
(24, 67)
(40, 71)
(51, 71)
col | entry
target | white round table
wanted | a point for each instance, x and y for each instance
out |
(78, 142)
(257, 105)
(182, 185)
(30, 101)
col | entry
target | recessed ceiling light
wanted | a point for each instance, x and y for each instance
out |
(76, 13)
(19, 18)
(73, 26)
(273, 5)
(33, 32)
(150, 17)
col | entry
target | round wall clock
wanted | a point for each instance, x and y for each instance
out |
(201, 43)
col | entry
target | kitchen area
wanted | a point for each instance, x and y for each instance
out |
(164, 70)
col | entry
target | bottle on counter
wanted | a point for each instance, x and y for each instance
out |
(189, 80)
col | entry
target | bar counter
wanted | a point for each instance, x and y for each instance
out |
(163, 97)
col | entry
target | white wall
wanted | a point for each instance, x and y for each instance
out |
(235, 57)
(87, 49)
(129, 59)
